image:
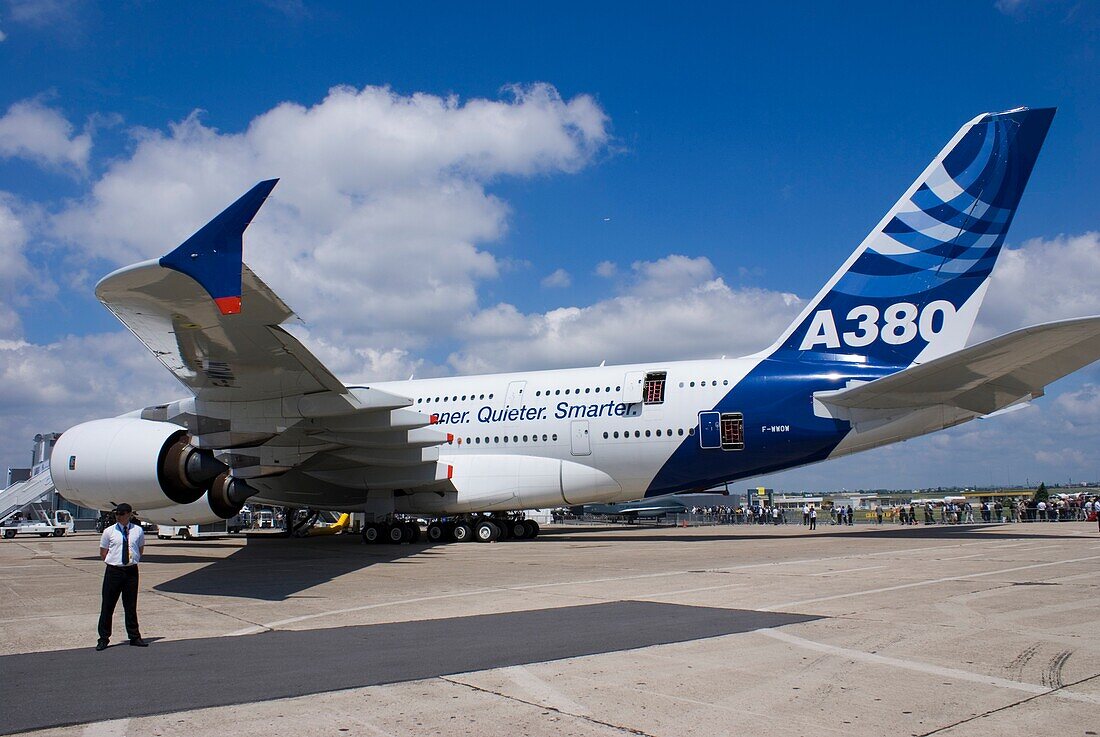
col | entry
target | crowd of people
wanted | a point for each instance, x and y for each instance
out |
(1054, 509)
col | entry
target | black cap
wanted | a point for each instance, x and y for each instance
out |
(124, 507)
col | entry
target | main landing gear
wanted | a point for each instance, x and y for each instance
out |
(464, 528)
(394, 532)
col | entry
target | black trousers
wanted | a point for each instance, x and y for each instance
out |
(118, 580)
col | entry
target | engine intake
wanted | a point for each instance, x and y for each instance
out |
(148, 464)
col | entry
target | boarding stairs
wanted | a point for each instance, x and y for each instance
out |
(34, 491)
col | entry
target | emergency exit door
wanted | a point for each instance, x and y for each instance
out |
(710, 429)
(581, 444)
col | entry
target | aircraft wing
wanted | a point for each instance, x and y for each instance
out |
(983, 378)
(211, 321)
(262, 400)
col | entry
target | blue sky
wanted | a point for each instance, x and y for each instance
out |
(740, 152)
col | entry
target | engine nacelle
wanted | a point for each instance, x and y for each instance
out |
(181, 515)
(224, 500)
(102, 463)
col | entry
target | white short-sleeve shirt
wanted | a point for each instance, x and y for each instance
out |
(112, 541)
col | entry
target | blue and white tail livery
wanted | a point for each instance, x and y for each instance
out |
(910, 292)
(876, 357)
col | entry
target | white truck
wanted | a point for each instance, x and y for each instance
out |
(58, 524)
(193, 532)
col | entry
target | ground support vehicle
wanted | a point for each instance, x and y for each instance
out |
(191, 532)
(57, 524)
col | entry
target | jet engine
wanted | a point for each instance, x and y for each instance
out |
(103, 463)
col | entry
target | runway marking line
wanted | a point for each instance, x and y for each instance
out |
(927, 668)
(611, 579)
(853, 570)
(914, 584)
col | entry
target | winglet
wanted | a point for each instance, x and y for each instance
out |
(213, 255)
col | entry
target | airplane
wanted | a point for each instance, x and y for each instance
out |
(656, 508)
(878, 356)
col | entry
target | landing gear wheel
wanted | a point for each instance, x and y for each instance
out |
(436, 533)
(396, 533)
(486, 532)
(532, 528)
(461, 533)
(504, 530)
(518, 529)
(372, 533)
(412, 530)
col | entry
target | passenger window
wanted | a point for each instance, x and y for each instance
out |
(653, 390)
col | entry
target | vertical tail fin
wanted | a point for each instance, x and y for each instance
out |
(911, 290)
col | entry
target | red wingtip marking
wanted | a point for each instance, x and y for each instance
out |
(450, 472)
(228, 305)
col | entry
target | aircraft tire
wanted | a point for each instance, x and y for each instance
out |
(532, 528)
(486, 532)
(436, 533)
(372, 533)
(396, 533)
(461, 533)
(413, 530)
(519, 529)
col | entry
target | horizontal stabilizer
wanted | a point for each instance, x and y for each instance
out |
(983, 378)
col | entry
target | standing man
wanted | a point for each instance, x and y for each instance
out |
(813, 517)
(120, 548)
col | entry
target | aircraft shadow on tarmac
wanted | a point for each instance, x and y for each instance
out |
(275, 568)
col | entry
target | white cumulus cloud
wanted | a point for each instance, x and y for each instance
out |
(32, 131)
(673, 308)
(1042, 280)
(559, 279)
(379, 224)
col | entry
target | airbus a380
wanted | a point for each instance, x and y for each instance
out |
(878, 356)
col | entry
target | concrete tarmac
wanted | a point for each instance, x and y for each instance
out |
(595, 631)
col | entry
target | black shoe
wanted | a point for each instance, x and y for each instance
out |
(101, 645)
(138, 642)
